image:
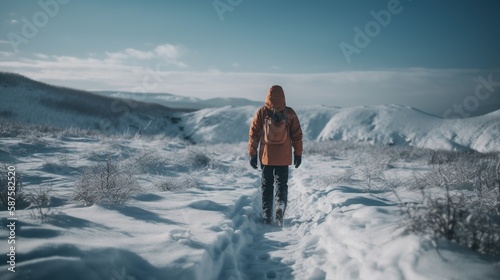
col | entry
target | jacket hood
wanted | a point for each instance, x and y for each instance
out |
(275, 99)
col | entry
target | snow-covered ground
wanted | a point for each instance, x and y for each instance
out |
(212, 229)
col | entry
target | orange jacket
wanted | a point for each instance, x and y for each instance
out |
(276, 155)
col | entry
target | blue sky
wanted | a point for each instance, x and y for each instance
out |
(433, 55)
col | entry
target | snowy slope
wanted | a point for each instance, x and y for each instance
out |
(213, 230)
(28, 101)
(175, 101)
(381, 125)
(398, 125)
(231, 124)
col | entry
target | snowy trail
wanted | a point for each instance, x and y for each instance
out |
(325, 236)
(341, 232)
(302, 249)
(258, 258)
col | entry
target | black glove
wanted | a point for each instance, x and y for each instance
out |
(253, 161)
(297, 161)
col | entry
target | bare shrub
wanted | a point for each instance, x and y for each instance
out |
(179, 183)
(191, 159)
(198, 159)
(392, 183)
(148, 162)
(105, 182)
(152, 161)
(12, 128)
(59, 166)
(346, 176)
(36, 139)
(373, 172)
(418, 182)
(460, 201)
(16, 189)
(40, 202)
(327, 148)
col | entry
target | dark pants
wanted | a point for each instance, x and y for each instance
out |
(272, 175)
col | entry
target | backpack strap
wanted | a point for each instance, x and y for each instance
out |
(286, 119)
(266, 113)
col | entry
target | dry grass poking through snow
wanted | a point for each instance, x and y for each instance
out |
(459, 194)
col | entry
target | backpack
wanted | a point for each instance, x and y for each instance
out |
(276, 130)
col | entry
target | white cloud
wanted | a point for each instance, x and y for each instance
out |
(171, 54)
(6, 54)
(133, 53)
(130, 54)
(167, 53)
(214, 71)
(41, 56)
(13, 21)
(4, 42)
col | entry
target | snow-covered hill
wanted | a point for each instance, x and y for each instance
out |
(181, 102)
(380, 125)
(400, 125)
(29, 101)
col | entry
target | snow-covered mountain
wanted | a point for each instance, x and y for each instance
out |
(29, 101)
(181, 102)
(380, 125)
(400, 125)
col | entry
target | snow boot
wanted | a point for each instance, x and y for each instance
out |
(267, 216)
(280, 212)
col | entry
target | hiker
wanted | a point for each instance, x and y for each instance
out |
(277, 128)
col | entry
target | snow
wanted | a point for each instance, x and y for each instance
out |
(214, 230)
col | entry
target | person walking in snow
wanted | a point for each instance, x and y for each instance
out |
(277, 128)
